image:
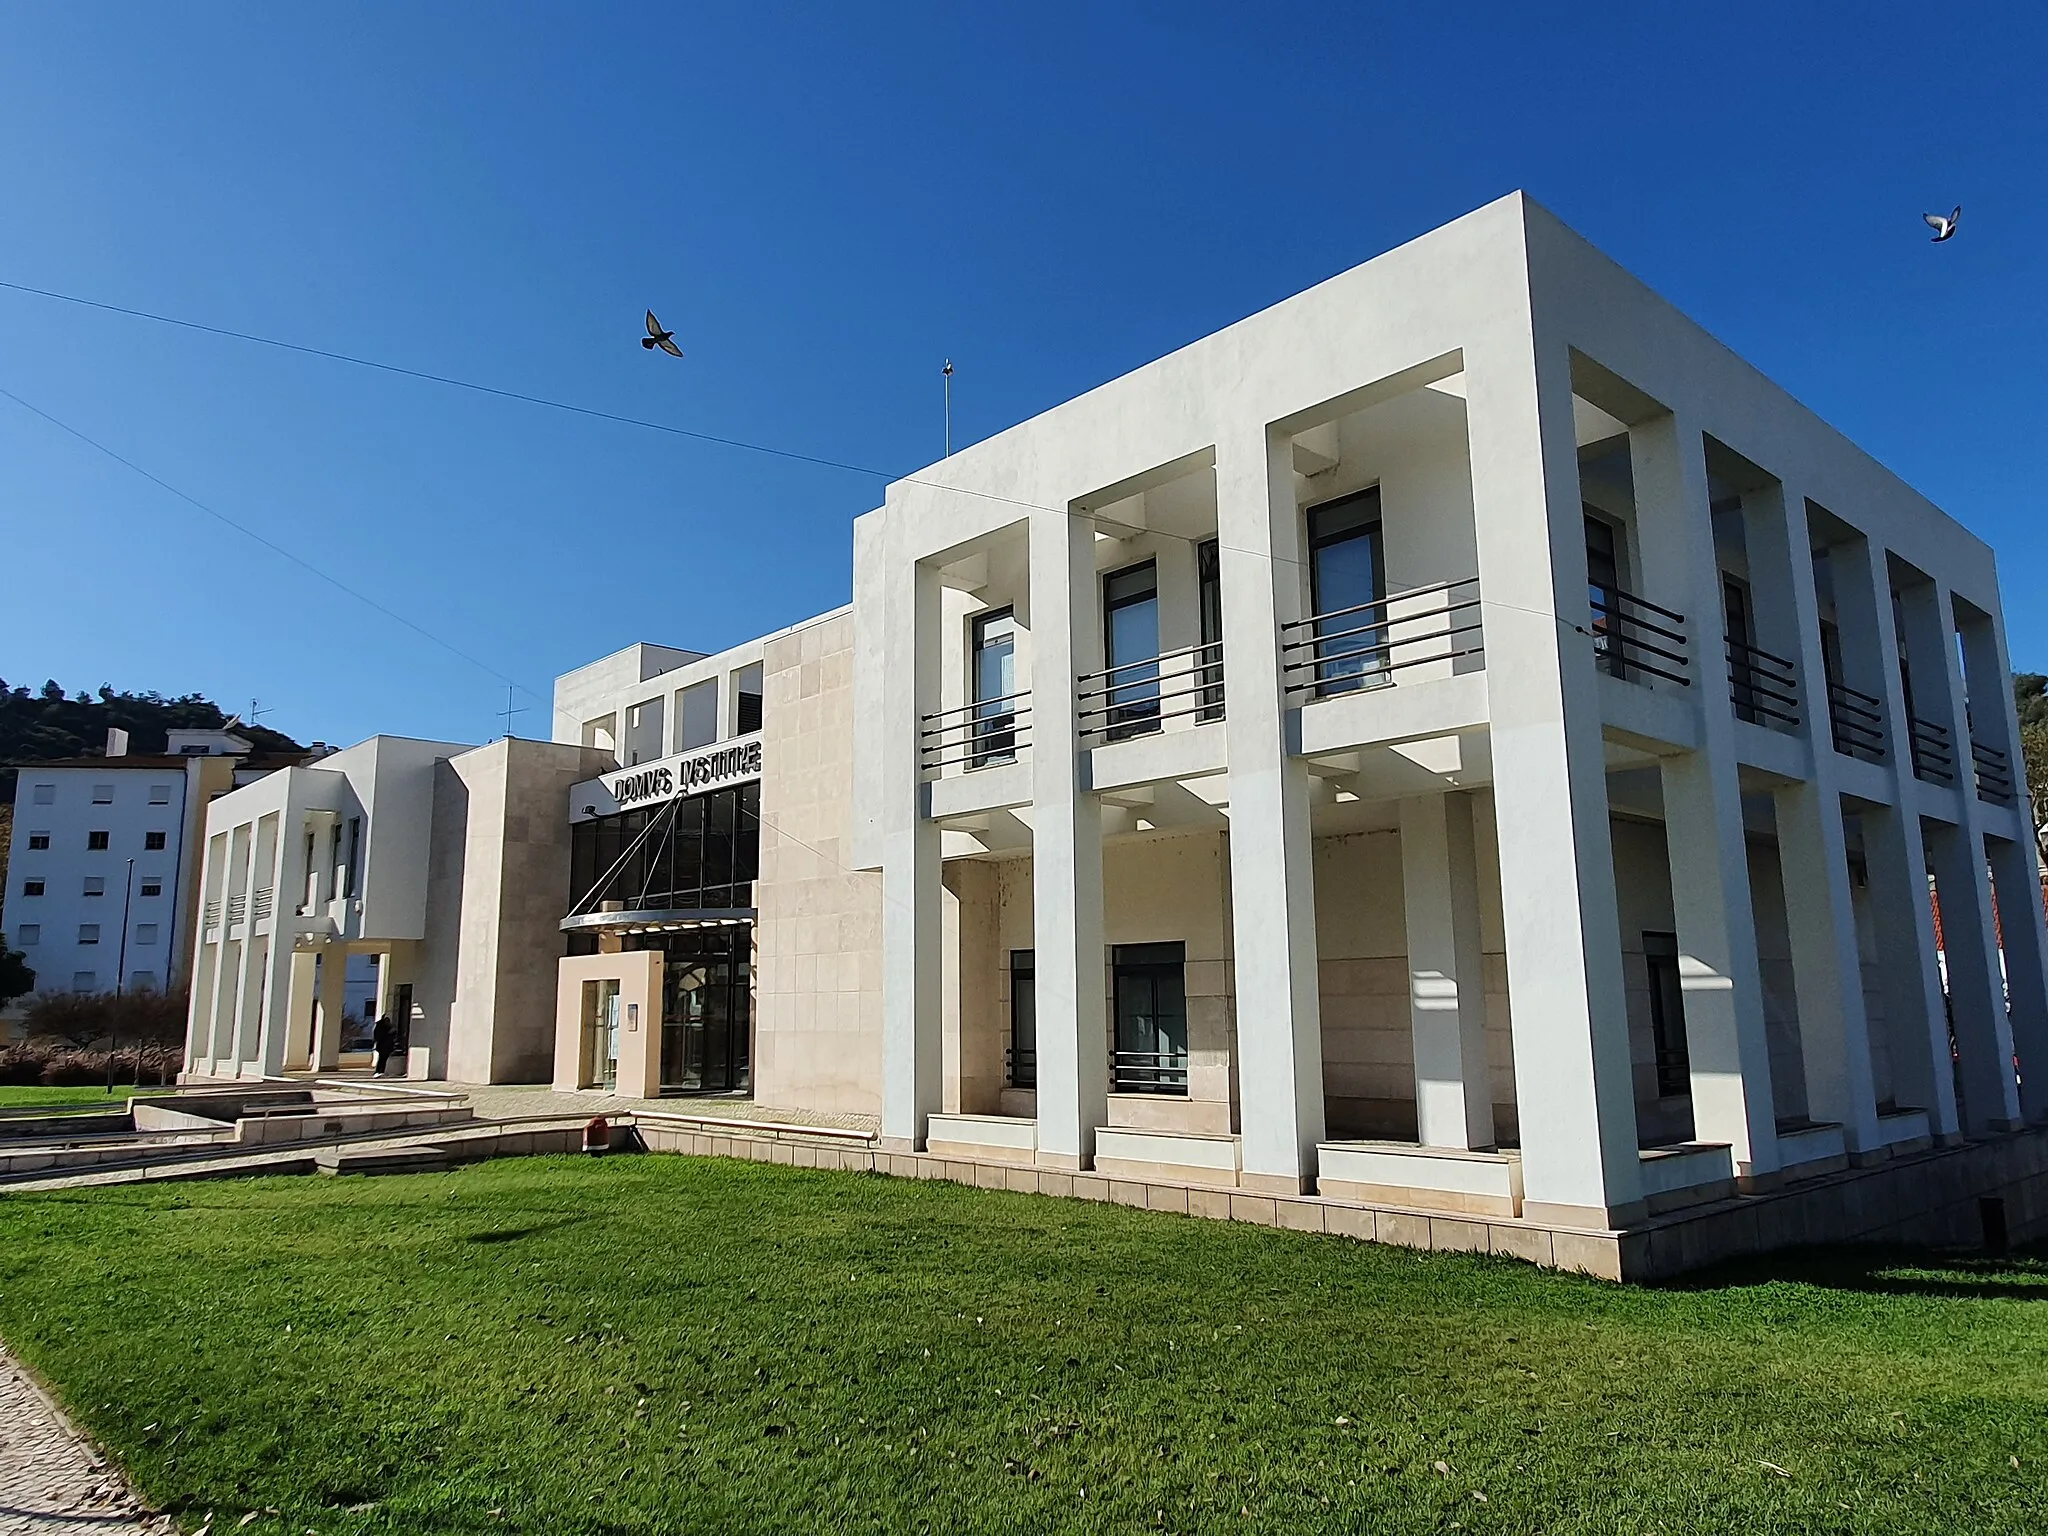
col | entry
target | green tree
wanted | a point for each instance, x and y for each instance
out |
(16, 979)
(2030, 695)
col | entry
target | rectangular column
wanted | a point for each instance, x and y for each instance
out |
(912, 934)
(1976, 993)
(1709, 854)
(299, 1010)
(2016, 878)
(1916, 1011)
(1272, 875)
(1446, 990)
(333, 1004)
(1574, 1085)
(1066, 847)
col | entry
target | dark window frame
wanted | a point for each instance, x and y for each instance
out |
(1021, 1059)
(1130, 697)
(1672, 1053)
(1358, 660)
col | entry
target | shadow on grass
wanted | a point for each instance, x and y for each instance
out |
(2021, 1275)
(514, 1234)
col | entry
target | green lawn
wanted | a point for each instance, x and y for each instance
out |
(661, 1344)
(91, 1095)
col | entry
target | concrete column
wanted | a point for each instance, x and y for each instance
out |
(1066, 846)
(2016, 878)
(912, 934)
(1272, 875)
(1703, 827)
(1813, 856)
(1446, 990)
(299, 1009)
(1573, 1081)
(1895, 863)
(333, 1003)
(1976, 992)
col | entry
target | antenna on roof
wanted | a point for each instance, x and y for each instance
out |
(947, 372)
(510, 710)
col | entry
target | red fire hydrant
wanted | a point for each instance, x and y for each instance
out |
(597, 1136)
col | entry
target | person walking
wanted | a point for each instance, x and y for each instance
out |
(383, 1043)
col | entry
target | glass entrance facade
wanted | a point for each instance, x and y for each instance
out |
(706, 1010)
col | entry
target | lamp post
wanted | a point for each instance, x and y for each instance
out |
(121, 983)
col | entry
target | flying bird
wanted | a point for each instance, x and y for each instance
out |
(657, 337)
(1943, 228)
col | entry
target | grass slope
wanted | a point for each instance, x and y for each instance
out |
(36, 1094)
(661, 1344)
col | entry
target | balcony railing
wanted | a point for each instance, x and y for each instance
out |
(1363, 646)
(1632, 635)
(1164, 1072)
(1934, 755)
(1137, 698)
(1020, 1066)
(1762, 686)
(1858, 722)
(1994, 773)
(977, 735)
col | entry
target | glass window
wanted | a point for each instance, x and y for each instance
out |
(1130, 646)
(995, 688)
(145, 933)
(103, 794)
(43, 794)
(1741, 637)
(29, 933)
(697, 715)
(85, 981)
(1667, 1015)
(746, 700)
(88, 933)
(1209, 599)
(95, 885)
(353, 856)
(1150, 992)
(1603, 581)
(151, 887)
(142, 981)
(38, 841)
(31, 887)
(159, 794)
(1023, 1063)
(95, 841)
(644, 733)
(152, 842)
(1347, 580)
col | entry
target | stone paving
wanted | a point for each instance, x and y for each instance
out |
(51, 1479)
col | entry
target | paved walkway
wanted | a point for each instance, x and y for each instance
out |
(51, 1481)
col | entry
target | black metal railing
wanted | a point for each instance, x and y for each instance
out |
(1020, 1066)
(1363, 646)
(1994, 773)
(1762, 686)
(1858, 722)
(1632, 635)
(1136, 698)
(1934, 755)
(1163, 1072)
(977, 735)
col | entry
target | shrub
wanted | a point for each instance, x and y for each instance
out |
(85, 1018)
(55, 1064)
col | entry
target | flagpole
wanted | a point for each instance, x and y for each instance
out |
(947, 371)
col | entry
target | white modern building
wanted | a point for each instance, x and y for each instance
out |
(99, 884)
(1457, 757)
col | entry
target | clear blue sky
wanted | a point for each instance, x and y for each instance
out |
(824, 206)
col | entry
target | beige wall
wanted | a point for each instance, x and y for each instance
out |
(818, 937)
(498, 888)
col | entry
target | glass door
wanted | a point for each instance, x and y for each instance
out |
(995, 688)
(1347, 580)
(600, 1036)
(1151, 1018)
(1130, 646)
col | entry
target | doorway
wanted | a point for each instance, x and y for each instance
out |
(1150, 988)
(600, 1067)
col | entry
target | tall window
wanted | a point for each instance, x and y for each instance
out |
(1603, 582)
(746, 700)
(995, 688)
(1741, 639)
(697, 715)
(1667, 1015)
(1130, 646)
(1151, 1018)
(349, 879)
(1023, 1064)
(1209, 600)
(1347, 580)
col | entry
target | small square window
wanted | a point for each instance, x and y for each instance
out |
(151, 888)
(95, 885)
(38, 841)
(103, 794)
(29, 933)
(95, 842)
(88, 933)
(153, 842)
(159, 794)
(145, 933)
(44, 794)
(142, 981)
(85, 981)
(31, 887)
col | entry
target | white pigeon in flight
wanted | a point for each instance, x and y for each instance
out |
(1943, 227)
